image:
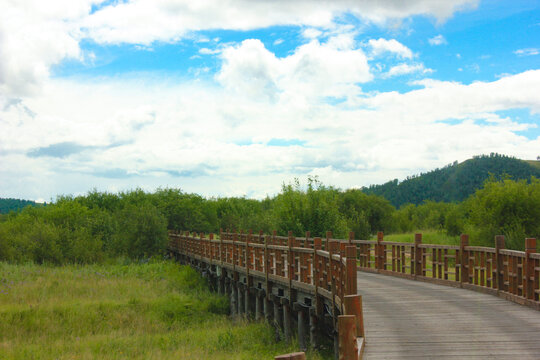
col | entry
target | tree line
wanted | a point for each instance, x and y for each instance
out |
(454, 182)
(102, 225)
(9, 204)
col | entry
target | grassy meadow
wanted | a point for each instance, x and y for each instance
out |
(157, 310)
(436, 237)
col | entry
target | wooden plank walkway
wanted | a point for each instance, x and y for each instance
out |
(418, 320)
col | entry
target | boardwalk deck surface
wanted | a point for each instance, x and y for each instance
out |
(418, 320)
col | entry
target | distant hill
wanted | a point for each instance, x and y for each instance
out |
(455, 182)
(7, 205)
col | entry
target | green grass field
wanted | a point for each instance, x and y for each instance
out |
(157, 310)
(428, 237)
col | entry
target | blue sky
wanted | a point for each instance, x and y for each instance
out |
(237, 99)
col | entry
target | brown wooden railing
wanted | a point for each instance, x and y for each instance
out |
(511, 274)
(320, 264)
(324, 268)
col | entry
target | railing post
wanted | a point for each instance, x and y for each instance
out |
(328, 237)
(202, 246)
(348, 346)
(290, 259)
(464, 242)
(221, 247)
(379, 262)
(528, 284)
(247, 253)
(499, 276)
(287, 320)
(210, 238)
(351, 270)
(247, 297)
(234, 238)
(266, 268)
(261, 240)
(418, 255)
(353, 306)
(319, 304)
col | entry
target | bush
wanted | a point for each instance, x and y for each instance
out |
(142, 231)
(366, 214)
(510, 208)
(315, 210)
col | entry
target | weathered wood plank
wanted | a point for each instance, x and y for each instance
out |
(411, 319)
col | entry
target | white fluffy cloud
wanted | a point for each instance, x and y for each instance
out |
(145, 21)
(264, 120)
(404, 69)
(381, 46)
(208, 139)
(437, 40)
(34, 35)
(527, 52)
(328, 69)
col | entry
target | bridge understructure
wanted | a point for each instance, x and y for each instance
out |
(310, 286)
(290, 282)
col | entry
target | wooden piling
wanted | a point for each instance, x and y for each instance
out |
(278, 317)
(247, 301)
(287, 329)
(234, 298)
(240, 297)
(301, 312)
(258, 307)
(268, 309)
(313, 328)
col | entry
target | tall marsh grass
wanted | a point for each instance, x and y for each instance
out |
(157, 310)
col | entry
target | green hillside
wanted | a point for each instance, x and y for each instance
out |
(454, 182)
(534, 163)
(7, 205)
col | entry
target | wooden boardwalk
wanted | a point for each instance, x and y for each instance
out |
(419, 320)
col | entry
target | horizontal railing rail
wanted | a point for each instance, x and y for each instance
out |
(325, 270)
(511, 274)
(325, 266)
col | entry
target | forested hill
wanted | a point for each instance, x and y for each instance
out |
(454, 182)
(7, 205)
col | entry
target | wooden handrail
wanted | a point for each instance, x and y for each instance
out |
(283, 262)
(509, 273)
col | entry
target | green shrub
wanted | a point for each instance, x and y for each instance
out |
(510, 208)
(142, 231)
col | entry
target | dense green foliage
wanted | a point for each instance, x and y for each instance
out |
(100, 226)
(7, 205)
(506, 207)
(455, 182)
(123, 310)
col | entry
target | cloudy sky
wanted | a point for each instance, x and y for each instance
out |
(233, 98)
